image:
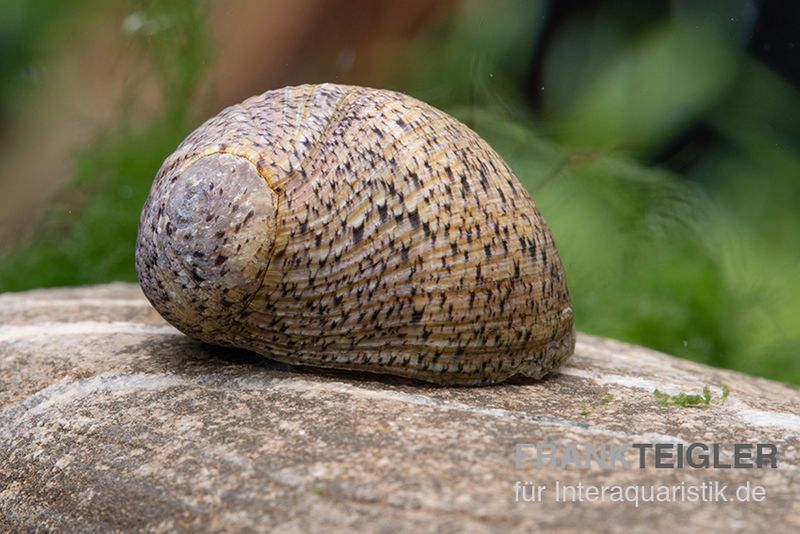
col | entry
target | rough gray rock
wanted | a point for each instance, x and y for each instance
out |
(110, 419)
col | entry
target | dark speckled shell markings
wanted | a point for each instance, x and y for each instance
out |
(347, 227)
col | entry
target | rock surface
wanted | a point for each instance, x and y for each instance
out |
(111, 419)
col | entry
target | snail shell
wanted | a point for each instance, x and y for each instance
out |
(340, 226)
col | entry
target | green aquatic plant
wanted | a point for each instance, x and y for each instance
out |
(687, 400)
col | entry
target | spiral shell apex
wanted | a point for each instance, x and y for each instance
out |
(355, 228)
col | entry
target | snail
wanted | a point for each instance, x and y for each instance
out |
(354, 228)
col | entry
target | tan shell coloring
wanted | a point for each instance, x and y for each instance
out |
(355, 228)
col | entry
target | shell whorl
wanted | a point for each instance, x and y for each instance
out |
(356, 228)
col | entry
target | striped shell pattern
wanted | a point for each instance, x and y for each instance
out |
(347, 227)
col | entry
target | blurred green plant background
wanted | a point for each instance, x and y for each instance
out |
(660, 139)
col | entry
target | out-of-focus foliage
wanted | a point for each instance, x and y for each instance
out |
(648, 93)
(26, 31)
(701, 263)
(89, 236)
(705, 265)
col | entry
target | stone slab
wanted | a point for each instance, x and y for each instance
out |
(110, 419)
